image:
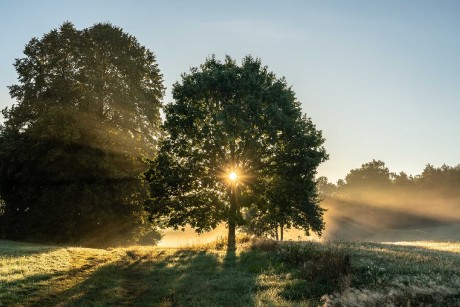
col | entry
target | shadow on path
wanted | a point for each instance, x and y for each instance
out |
(166, 278)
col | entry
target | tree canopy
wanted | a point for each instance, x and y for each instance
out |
(71, 148)
(375, 176)
(235, 118)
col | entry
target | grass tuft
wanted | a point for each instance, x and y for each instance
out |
(260, 273)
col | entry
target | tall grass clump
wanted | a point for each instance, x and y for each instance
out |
(321, 269)
(401, 274)
(316, 268)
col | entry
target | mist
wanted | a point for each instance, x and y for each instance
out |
(374, 204)
(188, 236)
(365, 215)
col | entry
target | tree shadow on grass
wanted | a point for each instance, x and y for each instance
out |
(34, 287)
(163, 278)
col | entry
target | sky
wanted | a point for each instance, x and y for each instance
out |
(381, 79)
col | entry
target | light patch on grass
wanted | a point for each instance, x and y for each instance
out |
(56, 261)
(27, 269)
(453, 247)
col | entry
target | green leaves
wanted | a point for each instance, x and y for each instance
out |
(228, 116)
(87, 112)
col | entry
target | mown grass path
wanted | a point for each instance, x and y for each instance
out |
(141, 276)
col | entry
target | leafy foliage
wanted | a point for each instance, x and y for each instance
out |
(291, 192)
(235, 118)
(371, 173)
(375, 176)
(87, 111)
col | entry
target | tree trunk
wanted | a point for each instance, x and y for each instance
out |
(276, 232)
(282, 231)
(231, 244)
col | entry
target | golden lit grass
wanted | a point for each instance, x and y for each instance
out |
(453, 247)
(259, 274)
(47, 275)
(30, 272)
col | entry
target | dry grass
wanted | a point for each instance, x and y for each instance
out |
(261, 273)
(401, 274)
(451, 247)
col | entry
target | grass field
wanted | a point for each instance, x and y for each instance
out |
(261, 273)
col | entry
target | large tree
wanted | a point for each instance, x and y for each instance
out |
(234, 136)
(71, 148)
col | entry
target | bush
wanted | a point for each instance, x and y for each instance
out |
(263, 244)
(325, 269)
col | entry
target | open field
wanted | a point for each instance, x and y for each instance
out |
(260, 274)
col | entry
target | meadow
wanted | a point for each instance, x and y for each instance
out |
(261, 273)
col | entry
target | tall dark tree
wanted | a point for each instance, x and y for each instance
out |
(71, 149)
(235, 137)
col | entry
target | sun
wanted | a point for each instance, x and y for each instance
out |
(232, 176)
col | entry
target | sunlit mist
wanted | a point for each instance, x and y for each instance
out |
(188, 237)
(178, 238)
(377, 216)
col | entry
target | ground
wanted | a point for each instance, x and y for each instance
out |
(259, 274)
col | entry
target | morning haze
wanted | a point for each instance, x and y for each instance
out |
(242, 153)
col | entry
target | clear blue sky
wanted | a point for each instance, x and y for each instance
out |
(381, 79)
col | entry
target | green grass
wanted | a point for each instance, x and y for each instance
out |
(259, 274)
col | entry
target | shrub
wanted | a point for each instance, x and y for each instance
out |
(263, 244)
(324, 269)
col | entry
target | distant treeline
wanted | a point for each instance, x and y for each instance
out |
(376, 176)
(376, 204)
